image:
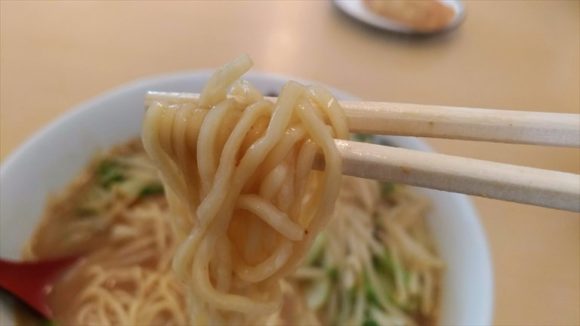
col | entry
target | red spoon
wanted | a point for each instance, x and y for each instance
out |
(32, 281)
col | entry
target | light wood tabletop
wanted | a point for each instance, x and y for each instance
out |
(518, 55)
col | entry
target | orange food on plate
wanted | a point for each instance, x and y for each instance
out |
(420, 15)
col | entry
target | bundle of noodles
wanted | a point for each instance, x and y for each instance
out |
(246, 203)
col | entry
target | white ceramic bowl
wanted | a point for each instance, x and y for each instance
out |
(55, 155)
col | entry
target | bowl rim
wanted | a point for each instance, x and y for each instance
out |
(150, 82)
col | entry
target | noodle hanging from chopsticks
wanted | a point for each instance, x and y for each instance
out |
(246, 204)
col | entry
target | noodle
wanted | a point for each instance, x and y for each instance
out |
(234, 239)
(359, 272)
(126, 281)
(244, 197)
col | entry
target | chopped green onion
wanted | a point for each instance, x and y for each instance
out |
(363, 138)
(83, 211)
(352, 295)
(317, 294)
(315, 254)
(333, 274)
(387, 188)
(370, 293)
(384, 263)
(370, 322)
(151, 189)
(110, 172)
(411, 305)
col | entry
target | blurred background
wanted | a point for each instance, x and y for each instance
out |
(518, 55)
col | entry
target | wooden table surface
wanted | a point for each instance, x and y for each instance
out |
(522, 55)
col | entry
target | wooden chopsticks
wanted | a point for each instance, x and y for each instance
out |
(403, 119)
(459, 174)
(540, 128)
(451, 173)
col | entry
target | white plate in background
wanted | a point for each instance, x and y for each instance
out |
(359, 11)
